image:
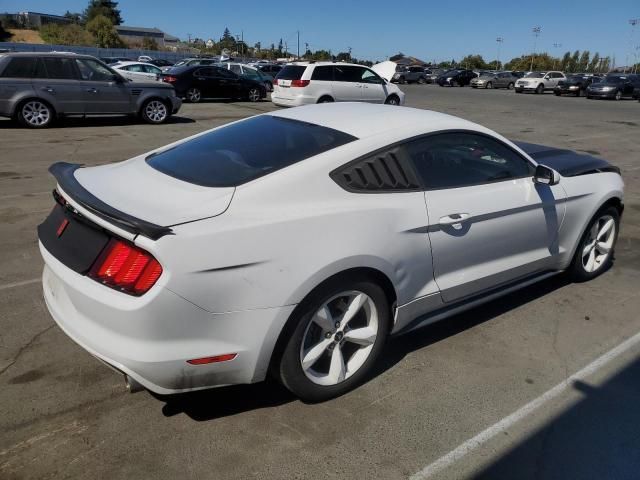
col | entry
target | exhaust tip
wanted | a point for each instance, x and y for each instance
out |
(132, 385)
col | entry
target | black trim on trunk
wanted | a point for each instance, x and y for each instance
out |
(64, 174)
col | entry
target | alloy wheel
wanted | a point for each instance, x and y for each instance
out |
(254, 95)
(36, 113)
(339, 338)
(156, 111)
(194, 95)
(598, 245)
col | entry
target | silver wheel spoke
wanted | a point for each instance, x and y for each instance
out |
(315, 353)
(362, 336)
(337, 369)
(591, 261)
(603, 247)
(354, 307)
(324, 319)
(587, 249)
(605, 229)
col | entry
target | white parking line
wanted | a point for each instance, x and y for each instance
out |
(20, 284)
(486, 435)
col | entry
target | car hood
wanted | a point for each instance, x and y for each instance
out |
(385, 69)
(137, 189)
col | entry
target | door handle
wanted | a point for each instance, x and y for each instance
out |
(48, 89)
(92, 90)
(454, 220)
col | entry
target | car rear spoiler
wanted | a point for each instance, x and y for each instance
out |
(64, 174)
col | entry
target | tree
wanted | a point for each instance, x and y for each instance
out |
(595, 63)
(149, 43)
(573, 63)
(343, 57)
(474, 62)
(566, 61)
(73, 16)
(105, 8)
(71, 34)
(227, 41)
(279, 51)
(104, 32)
(583, 63)
(4, 35)
(258, 47)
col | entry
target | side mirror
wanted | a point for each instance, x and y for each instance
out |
(546, 176)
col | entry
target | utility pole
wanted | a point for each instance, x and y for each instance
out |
(349, 49)
(298, 45)
(536, 34)
(557, 46)
(189, 35)
(633, 22)
(306, 49)
(500, 41)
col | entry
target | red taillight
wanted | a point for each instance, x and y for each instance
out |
(300, 83)
(275, 82)
(127, 268)
(169, 79)
(216, 359)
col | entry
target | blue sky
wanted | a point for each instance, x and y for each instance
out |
(430, 30)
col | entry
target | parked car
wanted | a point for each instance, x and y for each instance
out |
(495, 80)
(539, 82)
(575, 85)
(195, 82)
(113, 60)
(247, 71)
(636, 93)
(188, 62)
(145, 58)
(161, 62)
(456, 78)
(432, 74)
(37, 88)
(614, 87)
(138, 71)
(409, 75)
(182, 268)
(318, 82)
(271, 69)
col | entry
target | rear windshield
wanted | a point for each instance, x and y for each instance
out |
(246, 150)
(291, 72)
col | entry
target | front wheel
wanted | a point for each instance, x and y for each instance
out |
(194, 95)
(339, 332)
(154, 111)
(618, 95)
(540, 89)
(422, 80)
(392, 100)
(489, 85)
(595, 250)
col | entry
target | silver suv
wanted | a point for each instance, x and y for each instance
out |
(37, 88)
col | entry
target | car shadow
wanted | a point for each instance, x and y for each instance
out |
(228, 401)
(106, 121)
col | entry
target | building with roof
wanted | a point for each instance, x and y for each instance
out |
(407, 60)
(34, 19)
(135, 36)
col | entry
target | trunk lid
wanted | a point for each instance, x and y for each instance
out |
(137, 189)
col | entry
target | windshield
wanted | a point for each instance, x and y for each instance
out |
(614, 79)
(534, 75)
(243, 151)
(451, 72)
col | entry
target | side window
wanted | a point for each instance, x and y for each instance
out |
(59, 68)
(94, 71)
(136, 68)
(150, 69)
(235, 69)
(204, 72)
(20, 67)
(221, 72)
(452, 160)
(322, 73)
(251, 73)
(370, 77)
(347, 73)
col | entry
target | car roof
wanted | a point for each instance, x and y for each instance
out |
(124, 64)
(316, 64)
(48, 54)
(366, 119)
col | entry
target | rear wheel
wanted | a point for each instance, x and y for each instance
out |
(392, 100)
(421, 80)
(510, 86)
(595, 250)
(489, 85)
(326, 99)
(339, 331)
(453, 83)
(557, 94)
(154, 111)
(253, 94)
(618, 95)
(540, 89)
(194, 95)
(403, 80)
(35, 113)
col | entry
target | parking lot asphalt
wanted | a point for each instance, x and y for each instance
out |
(448, 401)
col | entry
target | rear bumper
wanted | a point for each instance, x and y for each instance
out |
(150, 338)
(292, 101)
(593, 94)
(176, 103)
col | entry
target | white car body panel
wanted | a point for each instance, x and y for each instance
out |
(550, 83)
(385, 69)
(232, 279)
(137, 76)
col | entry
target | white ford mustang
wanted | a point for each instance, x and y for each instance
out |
(296, 242)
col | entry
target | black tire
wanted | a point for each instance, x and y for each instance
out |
(155, 111)
(540, 89)
(453, 83)
(618, 95)
(254, 94)
(422, 80)
(577, 271)
(289, 368)
(402, 80)
(511, 86)
(557, 94)
(489, 85)
(35, 113)
(589, 96)
(193, 95)
(326, 99)
(392, 100)
(519, 90)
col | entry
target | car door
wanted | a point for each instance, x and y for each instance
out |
(152, 72)
(347, 85)
(206, 81)
(489, 223)
(502, 80)
(103, 90)
(57, 82)
(374, 88)
(231, 85)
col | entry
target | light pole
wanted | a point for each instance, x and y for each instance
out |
(536, 33)
(557, 46)
(500, 41)
(633, 22)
